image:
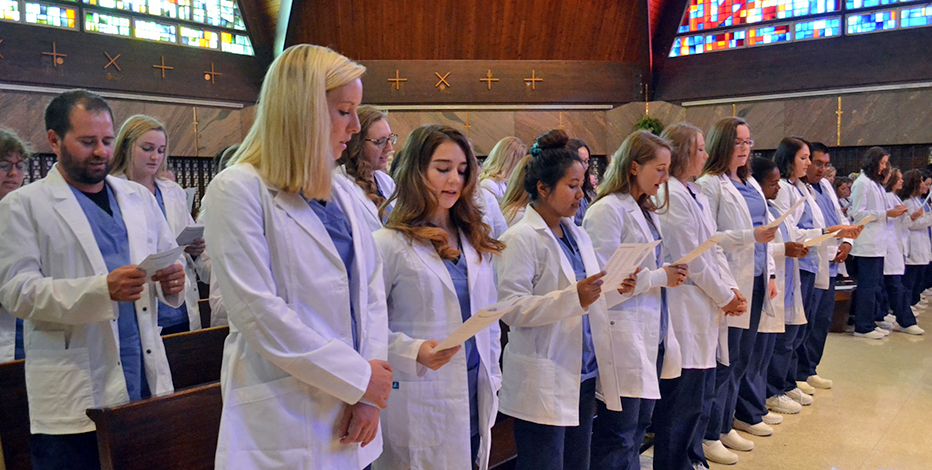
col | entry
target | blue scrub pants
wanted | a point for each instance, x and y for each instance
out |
(899, 301)
(809, 353)
(913, 282)
(752, 392)
(864, 300)
(680, 419)
(544, 447)
(727, 378)
(64, 452)
(781, 374)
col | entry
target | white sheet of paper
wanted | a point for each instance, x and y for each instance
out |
(865, 221)
(624, 262)
(705, 246)
(190, 193)
(821, 238)
(190, 234)
(483, 319)
(157, 261)
(785, 214)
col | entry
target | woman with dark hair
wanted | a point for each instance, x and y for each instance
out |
(644, 345)
(437, 263)
(868, 198)
(894, 263)
(919, 245)
(585, 155)
(842, 186)
(740, 210)
(13, 160)
(695, 308)
(550, 270)
(363, 163)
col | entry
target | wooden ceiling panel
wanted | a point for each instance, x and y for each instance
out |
(600, 30)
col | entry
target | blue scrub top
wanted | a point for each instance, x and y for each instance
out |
(168, 315)
(388, 208)
(810, 262)
(341, 234)
(664, 312)
(459, 274)
(581, 212)
(113, 242)
(831, 218)
(789, 296)
(758, 209)
(19, 352)
(590, 368)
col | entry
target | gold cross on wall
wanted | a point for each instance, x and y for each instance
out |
(57, 59)
(210, 75)
(112, 61)
(163, 67)
(533, 80)
(488, 79)
(443, 80)
(397, 80)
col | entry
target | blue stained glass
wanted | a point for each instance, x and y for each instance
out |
(824, 27)
(853, 4)
(918, 16)
(870, 22)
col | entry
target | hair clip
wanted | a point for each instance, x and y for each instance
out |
(536, 150)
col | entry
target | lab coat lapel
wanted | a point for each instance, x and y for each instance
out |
(297, 208)
(474, 263)
(630, 205)
(70, 211)
(430, 258)
(737, 198)
(537, 222)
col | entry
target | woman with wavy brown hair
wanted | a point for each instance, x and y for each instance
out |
(364, 162)
(437, 263)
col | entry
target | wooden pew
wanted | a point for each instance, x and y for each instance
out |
(203, 307)
(195, 356)
(176, 431)
(14, 415)
(842, 308)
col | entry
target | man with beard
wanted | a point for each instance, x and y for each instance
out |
(69, 245)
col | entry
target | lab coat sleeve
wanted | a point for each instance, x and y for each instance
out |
(242, 259)
(681, 238)
(28, 293)
(860, 202)
(495, 344)
(402, 349)
(493, 213)
(517, 268)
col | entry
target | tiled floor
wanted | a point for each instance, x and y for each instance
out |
(878, 415)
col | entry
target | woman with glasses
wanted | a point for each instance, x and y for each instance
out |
(588, 187)
(739, 209)
(13, 155)
(499, 165)
(364, 162)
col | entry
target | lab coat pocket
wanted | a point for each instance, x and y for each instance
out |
(58, 380)
(415, 414)
(627, 343)
(528, 382)
(271, 415)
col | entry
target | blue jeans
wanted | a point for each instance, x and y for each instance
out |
(680, 419)
(64, 452)
(810, 352)
(544, 447)
(864, 300)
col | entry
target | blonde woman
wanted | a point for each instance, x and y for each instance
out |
(305, 369)
(364, 162)
(500, 164)
(516, 198)
(141, 154)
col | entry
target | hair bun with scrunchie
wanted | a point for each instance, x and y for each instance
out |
(535, 150)
(553, 139)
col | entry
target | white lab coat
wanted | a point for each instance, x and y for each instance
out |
(919, 246)
(7, 336)
(696, 306)
(55, 278)
(894, 263)
(426, 424)
(370, 210)
(868, 198)
(776, 316)
(635, 333)
(834, 243)
(733, 220)
(518, 215)
(289, 367)
(543, 357)
(491, 213)
(497, 188)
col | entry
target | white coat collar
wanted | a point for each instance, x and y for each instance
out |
(737, 197)
(429, 256)
(533, 218)
(630, 205)
(297, 208)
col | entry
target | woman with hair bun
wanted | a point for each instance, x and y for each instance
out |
(549, 269)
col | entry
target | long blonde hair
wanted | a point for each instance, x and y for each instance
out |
(640, 147)
(131, 130)
(515, 198)
(502, 159)
(289, 141)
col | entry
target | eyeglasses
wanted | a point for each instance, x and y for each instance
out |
(740, 143)
(380, 143)
(6, 165)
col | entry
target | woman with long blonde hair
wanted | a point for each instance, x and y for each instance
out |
(305, 369)
(364, 162)
(500, 164)
(516, 198)
(141, 154)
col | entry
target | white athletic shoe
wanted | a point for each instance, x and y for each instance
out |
(716, 452)
(772, 418)
(911, 330)
(798, 396)
(734, 441)
(889, 318)
(819, 382)
(884, 324)
(883, 331)
(760, 429)
(806, 388)
(783, 404)
(874, 334)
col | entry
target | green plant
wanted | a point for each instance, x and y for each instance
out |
(648, 123)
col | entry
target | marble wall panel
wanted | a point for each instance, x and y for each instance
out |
(586, 125)
(486, 128)
(914, 109)
(868, 118)
(247, 117)
(24, 115)
(704, 116)
(619, 122)
(812, 118)
(765, 120)
(217, 129)
(179, 121)
(123, 109)
(403, 123)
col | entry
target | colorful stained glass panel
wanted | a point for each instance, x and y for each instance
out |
(854, 4)
(726, 40)
(917, 16)
(688, 45)
(154, 31)
(199, 38)
(51, 15)
(9, 10)
(106, 24)
(708, 14)
(814, 29)
(871, 22)
(768, 35)
(235, 43)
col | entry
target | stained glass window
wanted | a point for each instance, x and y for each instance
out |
(223, 13)
(814, 29)
(853, 4)
(106, 24)
(769, 34)
(871, 22)
(688, 45)
(725, 40)
(154, 31)
(917, 16)
(199, 38)
(51, 15)
(235, 43)
(709, 14)
(9, 10)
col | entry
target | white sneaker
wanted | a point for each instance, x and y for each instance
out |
(819, 382)
(783, 404)
(700, 466)
(716, 452)
(884, 324)
(883, 331)
(734, 441)
(911, 330)
(760, 429)
(870, 335)
(798, 396)
(772, 418)
(806, 388)
(889, 318)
